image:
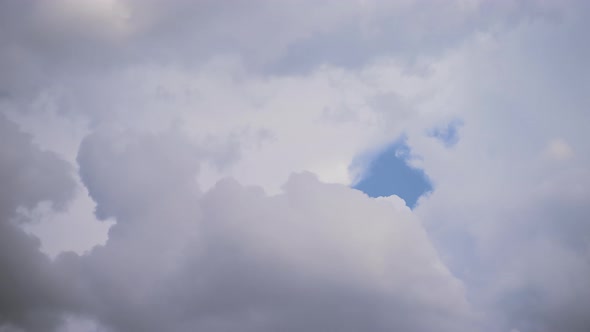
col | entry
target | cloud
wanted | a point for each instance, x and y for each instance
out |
(49, 42)
(507, 222)
(31, 295)
(28, 174)
(161, 105)
(315, 257)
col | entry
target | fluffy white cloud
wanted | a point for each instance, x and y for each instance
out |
(314, 257)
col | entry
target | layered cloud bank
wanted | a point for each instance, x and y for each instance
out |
(187, 166)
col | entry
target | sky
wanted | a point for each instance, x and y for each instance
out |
(293, 165)
(388, 173)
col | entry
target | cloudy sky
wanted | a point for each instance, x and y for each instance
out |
(294, 165)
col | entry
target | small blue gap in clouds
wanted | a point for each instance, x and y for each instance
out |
(449, 134)
(389, 174)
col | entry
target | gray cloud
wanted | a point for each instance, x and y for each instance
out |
(31, 295)
(51, 43)
(28, 174)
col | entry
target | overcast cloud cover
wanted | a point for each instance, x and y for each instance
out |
(188, 165)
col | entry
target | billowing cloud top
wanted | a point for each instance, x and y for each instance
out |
(187, 165)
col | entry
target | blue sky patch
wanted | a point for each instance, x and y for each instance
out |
(388, 174)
